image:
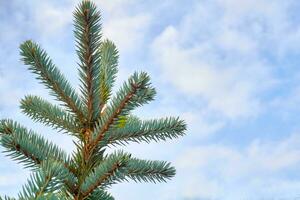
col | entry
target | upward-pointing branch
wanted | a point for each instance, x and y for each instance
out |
(108, 70)
(40, 64)
(88, 35)
(136, 92)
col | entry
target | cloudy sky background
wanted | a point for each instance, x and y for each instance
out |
(230, 68)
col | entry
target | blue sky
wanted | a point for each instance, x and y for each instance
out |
(230, 68)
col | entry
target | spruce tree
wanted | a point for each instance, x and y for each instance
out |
(95, 118)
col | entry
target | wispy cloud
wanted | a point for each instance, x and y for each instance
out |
(211, 56)
(218, 170)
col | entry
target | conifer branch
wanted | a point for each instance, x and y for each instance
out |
(31, 149)
(137, 130)
(26, 146)
(40, 64)
(45, 182)
(108, 70)
(43, 111)
(100, 194)
(65, 195)
(20, 153)
(7, 198)
(106, 173)
(120, 166)
(88, 35)
(136, 92)
(149, 171)
(50, 196)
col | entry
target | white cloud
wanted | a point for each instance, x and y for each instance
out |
(224, 172)
(216, 52)
(122, 25)
(8, 98)
(53, 19)
(115, 6)
(11, 179)
(126, 31)
(263, 169)
(223, 87)
(270, 23)
(199, 127)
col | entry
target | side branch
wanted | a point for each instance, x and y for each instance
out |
(100, 194)
(106, 173)
(136, 92)
(31, 149)
(26, 146)
(40, 64)
(149, 171)
(112, 119)
(43, 111)
(137, 130)
(45, 182)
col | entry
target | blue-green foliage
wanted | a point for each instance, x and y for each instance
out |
(100, 194)
(108, 70)
(108, 172)
(88, 34)
(43, 111)
(7, 198)
(40, 63)
(96, 117)
(149, 171)
(134, 93)
(136, 130)
(27, 147)
(45, 182)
